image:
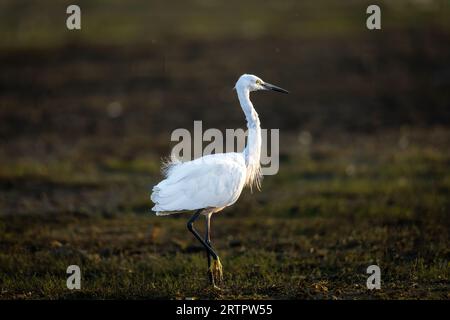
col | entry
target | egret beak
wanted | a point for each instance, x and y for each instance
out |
(269, 86)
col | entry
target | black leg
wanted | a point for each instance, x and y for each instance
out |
(214, 265)
(208, 242)
(190, 226)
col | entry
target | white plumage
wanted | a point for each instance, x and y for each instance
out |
(213, 182)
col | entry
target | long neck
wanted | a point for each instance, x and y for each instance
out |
(252, 151)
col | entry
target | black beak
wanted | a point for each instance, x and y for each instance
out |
(269, 86)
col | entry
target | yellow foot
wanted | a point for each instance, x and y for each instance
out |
(216, 271)
(216, 288)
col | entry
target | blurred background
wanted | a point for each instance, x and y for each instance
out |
(86, 116)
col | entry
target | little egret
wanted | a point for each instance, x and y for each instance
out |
(213, 182)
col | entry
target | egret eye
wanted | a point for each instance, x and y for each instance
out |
(258, 82)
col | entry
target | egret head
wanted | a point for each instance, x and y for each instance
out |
(253, 83)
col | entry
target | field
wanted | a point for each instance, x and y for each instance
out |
(364, 153)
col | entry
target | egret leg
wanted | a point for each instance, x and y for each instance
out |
(208, 242)
(215, 268)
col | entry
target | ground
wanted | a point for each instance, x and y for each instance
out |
(333, 210)
(86, 117)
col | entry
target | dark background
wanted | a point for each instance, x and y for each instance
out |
(86, 116)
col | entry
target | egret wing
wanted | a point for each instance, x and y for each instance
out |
(211, 181)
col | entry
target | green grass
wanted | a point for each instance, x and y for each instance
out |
(310, 234)
(137, 22)
(364, 172)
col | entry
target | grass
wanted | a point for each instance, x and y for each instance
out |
(310, 234)
(364, 174)
(149, 22)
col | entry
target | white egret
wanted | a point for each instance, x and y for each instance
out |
(213, 182)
